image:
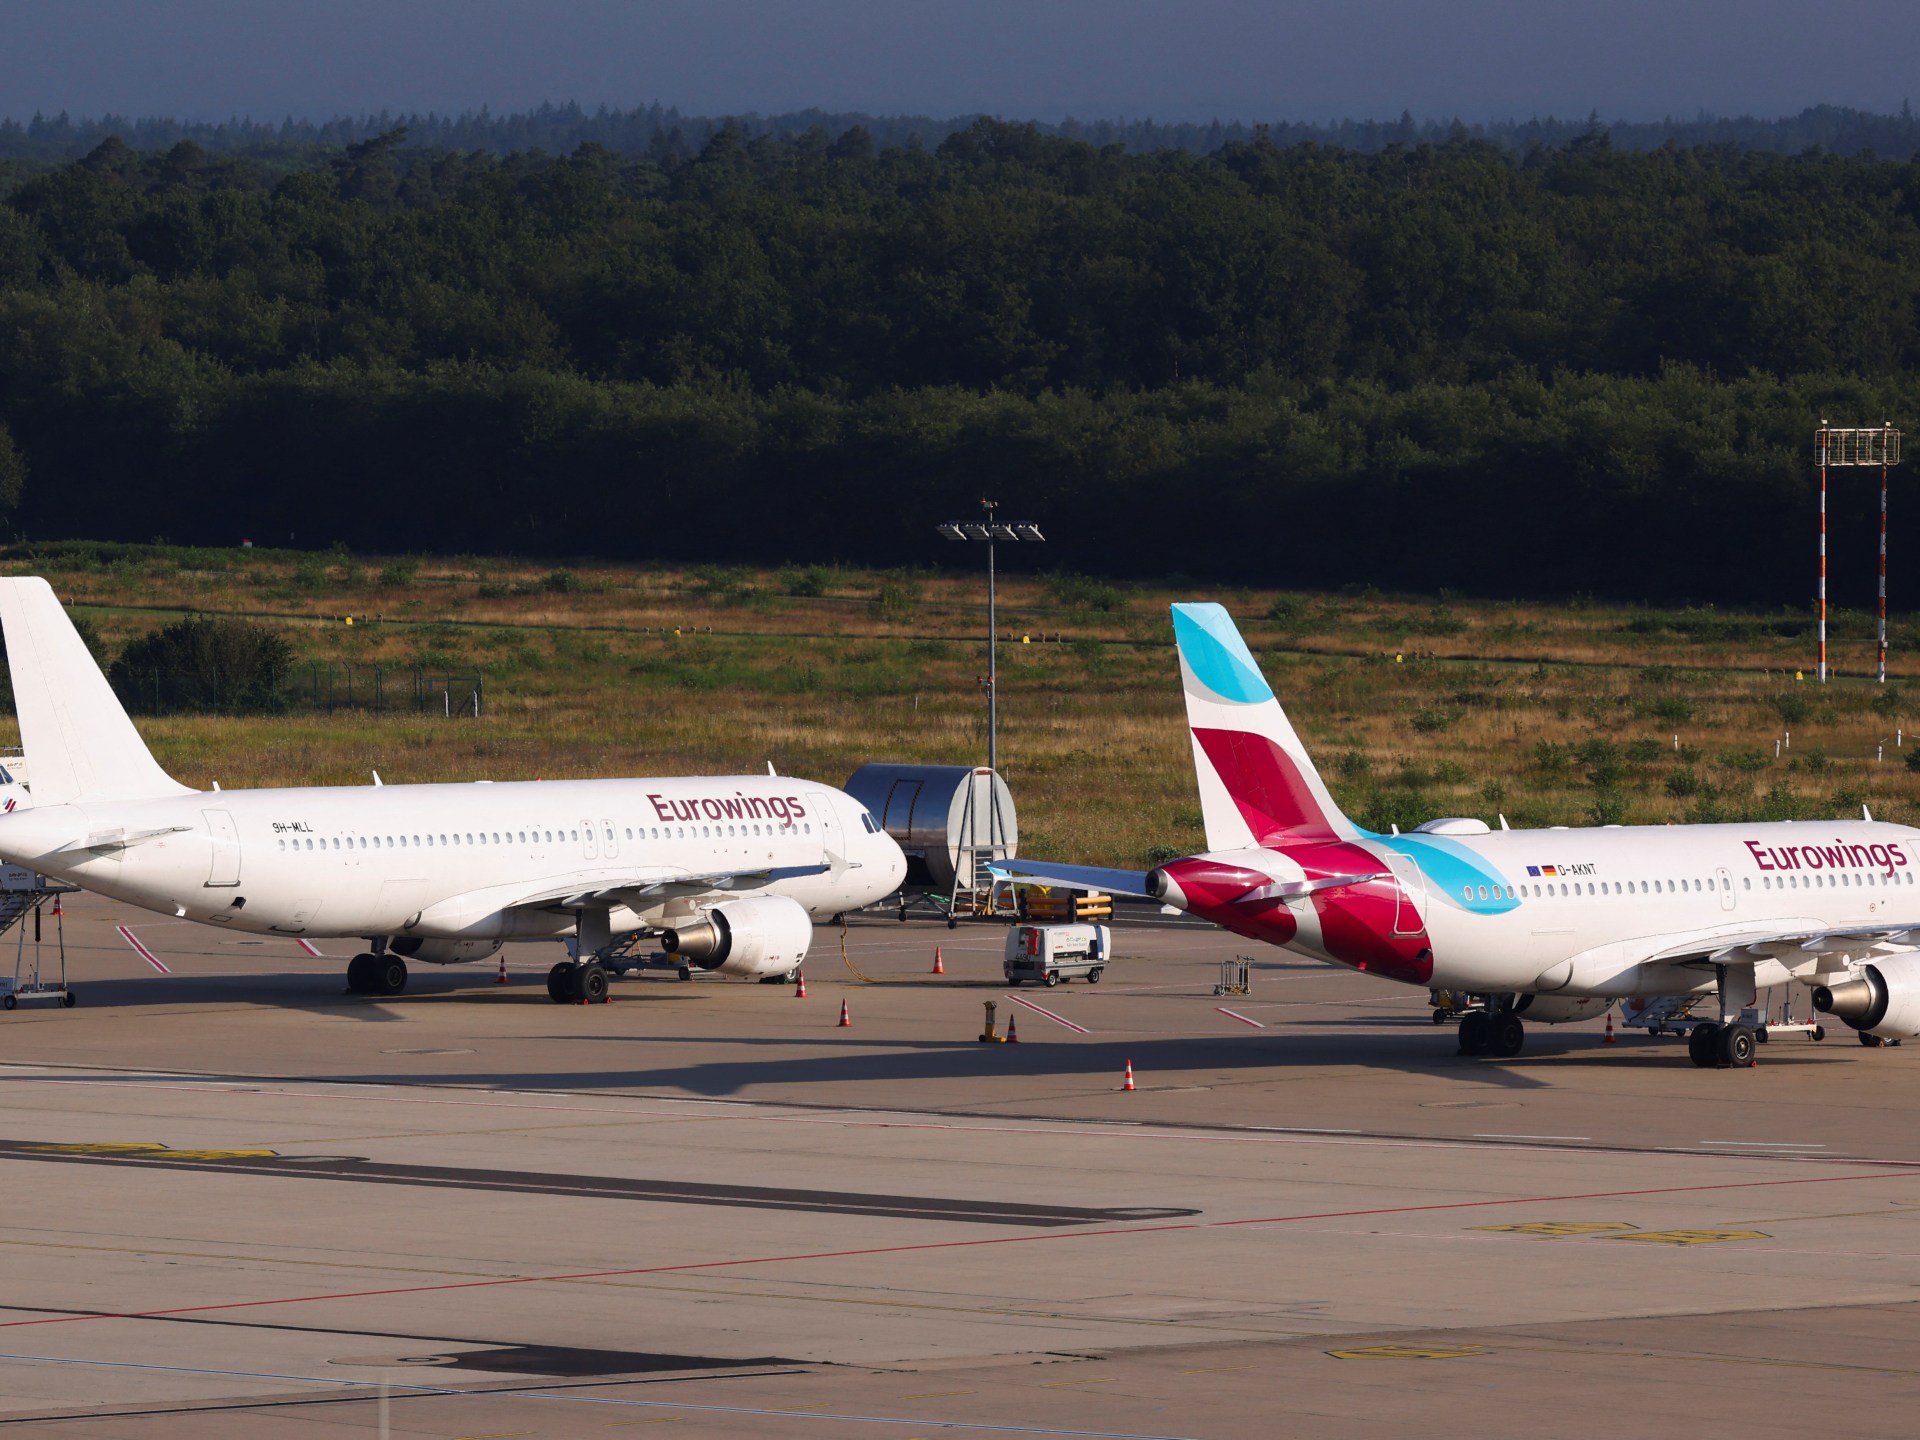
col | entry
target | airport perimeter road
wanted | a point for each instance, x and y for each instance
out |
(242, 1203)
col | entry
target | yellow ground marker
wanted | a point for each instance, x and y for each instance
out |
(1560, 1227)
(1692, 1237)
(140, 1151)
(1410, 1352)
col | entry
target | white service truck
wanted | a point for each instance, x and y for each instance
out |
(1052, 953)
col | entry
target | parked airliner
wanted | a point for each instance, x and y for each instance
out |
(1552, 924)
(729, 871)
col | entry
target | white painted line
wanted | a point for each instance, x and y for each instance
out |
(1057, 1019)
(1505, 1135)
(1236, 1015)
(1769, 1144)
(144, 953)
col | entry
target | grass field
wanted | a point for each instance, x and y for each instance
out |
(1415, 707)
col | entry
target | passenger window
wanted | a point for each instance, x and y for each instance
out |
(283, 846)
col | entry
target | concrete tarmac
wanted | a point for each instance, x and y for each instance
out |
(239, 1201)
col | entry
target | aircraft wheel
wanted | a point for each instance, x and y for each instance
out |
(389, 975)
(1703, 1045)
(1505, 1035)
(593, 984)
(1736, 1046)
(1473, 1033)
(560, 983)
(360, 977)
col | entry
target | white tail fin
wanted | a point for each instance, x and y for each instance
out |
(1257, 786)
(79, 743)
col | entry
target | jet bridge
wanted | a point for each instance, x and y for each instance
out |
(953, 821)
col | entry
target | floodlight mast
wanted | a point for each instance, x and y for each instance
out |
(1875, 445)
(993, 530)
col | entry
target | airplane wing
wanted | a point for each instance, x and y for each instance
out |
(1084, 877)
(1776, 944)
(644, 888)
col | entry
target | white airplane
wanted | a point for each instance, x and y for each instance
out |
(1554, 924)
(729, 871)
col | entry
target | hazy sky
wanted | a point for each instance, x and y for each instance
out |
(1250, 59)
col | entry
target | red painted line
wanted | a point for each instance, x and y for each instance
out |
(1057, 1019)
(931, 1245)
(144, 953)
(310, 949)
(1241, 1018)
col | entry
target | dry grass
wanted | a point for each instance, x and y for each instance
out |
(1552, 715)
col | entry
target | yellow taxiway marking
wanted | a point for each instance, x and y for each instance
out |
(1692, 1237)
(137, 1151)
(494, 1435)
(1409, 1352)
(656, 1420)
(1560, 1227)
(935, 1394)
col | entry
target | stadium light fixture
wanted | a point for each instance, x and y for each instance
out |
(992, 531)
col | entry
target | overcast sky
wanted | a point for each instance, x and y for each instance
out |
(1194, 59)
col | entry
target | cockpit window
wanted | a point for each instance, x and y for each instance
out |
(868, 823)
(6, 776)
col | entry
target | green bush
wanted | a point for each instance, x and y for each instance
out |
(200, 663)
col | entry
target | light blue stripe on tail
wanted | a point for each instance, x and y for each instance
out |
(1211, 645)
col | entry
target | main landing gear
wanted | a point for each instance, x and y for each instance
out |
(572, 984)
(1730, 1044)
(1496, 1032)
(378, 974)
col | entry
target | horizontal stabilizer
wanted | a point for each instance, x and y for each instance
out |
(1078, 877)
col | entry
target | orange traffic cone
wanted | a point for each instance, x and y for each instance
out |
(1610, 1040)
(846, 1020)
(1013, 1030)
(1129, 1084)
(501, 979)
(938, 967)
(800, 989)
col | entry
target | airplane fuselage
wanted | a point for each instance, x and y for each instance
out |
(452, 861)
(1567, 911)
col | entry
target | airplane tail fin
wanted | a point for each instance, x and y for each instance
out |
(79, 743)
(1257, 786)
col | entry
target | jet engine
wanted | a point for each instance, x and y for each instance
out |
(1883, 999)
(1560, 1009)
(442, 952)
(767, 935)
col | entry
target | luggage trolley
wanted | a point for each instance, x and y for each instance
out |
(23, 892)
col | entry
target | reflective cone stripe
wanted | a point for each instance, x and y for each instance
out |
(1610, 1040)
(939, 968)
(501, 979)
(846, 1020)
(1129, 1085)
(1013, 1030)
(800, 989)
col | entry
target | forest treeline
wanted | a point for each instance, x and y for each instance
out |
(1581, 368)
(559, 129)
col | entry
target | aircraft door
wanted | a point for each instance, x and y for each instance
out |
(1728, 898)
(225, 869)
(591, 849)
(1409, 894)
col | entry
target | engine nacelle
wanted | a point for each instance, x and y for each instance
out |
(430, 951)
(1561, 1009)
(1883, 999)
(768, 935)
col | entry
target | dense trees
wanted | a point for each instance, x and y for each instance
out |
(1434, 365)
